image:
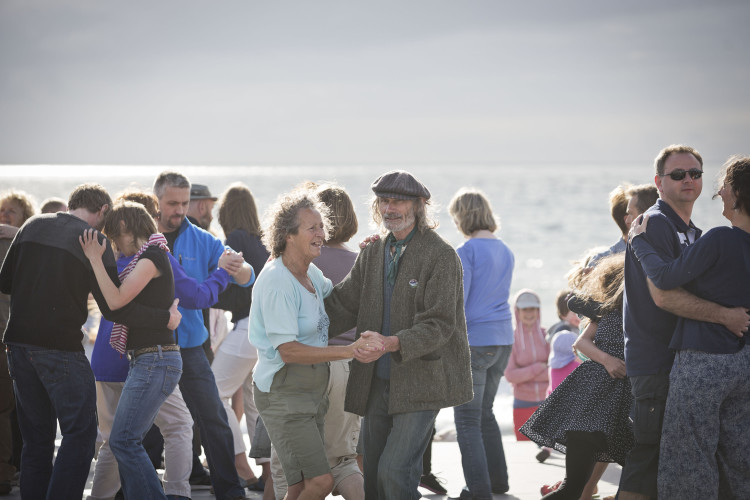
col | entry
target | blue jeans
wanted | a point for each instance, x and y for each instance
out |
(394, 445)
(151, 379)
(478, 434)
(54, 386)
(198, 387)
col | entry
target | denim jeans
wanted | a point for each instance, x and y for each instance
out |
(394, 445)
(198, 387)
(54, 386)
(478, 434)
(151, 379)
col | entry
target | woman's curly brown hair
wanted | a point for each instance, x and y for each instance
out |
(282, 219)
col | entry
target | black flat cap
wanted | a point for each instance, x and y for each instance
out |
(200, 192)
(399, 184)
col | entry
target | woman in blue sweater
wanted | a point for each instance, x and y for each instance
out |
(705, 436)
(488, 267)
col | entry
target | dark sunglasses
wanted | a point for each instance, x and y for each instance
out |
(679, 174)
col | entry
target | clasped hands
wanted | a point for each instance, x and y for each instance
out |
(231, 261)
(369, 347)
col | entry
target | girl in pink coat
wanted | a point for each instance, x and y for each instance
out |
(527, 367)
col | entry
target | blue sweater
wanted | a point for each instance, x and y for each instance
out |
(716, 268)
(488, 269)
(648, 329)
(107, 364)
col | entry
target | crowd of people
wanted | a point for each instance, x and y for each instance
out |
(340, 360)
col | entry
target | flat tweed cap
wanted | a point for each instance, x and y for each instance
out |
(399, 184)
(200, 192)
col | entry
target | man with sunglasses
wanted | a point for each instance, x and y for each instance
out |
(647, 323)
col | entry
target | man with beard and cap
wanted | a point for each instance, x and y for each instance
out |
(410, 288)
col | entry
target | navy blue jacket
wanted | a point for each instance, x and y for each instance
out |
(648, 329)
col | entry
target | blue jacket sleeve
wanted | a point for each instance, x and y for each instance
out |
(468, 270)
(691, 263)
(194, 295)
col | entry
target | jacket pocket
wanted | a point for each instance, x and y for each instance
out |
(432, 384)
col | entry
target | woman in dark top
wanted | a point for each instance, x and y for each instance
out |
(235, 358)
(155, 361)
(705, 438)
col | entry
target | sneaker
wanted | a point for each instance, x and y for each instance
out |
(549, 488)
(543, 455)
(433, 484)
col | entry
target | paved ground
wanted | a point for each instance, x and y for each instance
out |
(525, 473)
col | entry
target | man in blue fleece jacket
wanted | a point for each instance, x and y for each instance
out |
(198, 252)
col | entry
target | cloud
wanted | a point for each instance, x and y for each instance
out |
(352, 81)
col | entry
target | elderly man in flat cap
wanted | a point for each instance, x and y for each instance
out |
(200, 210)
(408, 288)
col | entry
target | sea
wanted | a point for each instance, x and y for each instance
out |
(550, 215)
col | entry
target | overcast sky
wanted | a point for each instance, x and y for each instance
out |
(350, 82)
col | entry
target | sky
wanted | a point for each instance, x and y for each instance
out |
(371, 82)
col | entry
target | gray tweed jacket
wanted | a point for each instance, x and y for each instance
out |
(433, 368)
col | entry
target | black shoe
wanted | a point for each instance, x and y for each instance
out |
(200, 482)
(543, 455)
(465, 495)
(433, 484)
(5, 488)
(258, 485)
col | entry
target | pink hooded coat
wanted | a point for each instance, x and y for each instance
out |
(527, 367)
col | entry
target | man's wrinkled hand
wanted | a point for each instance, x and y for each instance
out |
(370, 239)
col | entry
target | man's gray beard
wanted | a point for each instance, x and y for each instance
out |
(408, 221)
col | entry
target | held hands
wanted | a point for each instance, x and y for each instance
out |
(638, 227)
(369, 347)
(231, 261)
(615, 367)
(174, 315)
(91, 246)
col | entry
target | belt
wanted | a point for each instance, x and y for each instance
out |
(146, 350)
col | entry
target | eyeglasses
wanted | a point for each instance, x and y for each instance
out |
(678, 174)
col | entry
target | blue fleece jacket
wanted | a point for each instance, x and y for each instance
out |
(198, 252)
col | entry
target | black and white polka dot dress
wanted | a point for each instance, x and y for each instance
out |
(589, 400)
